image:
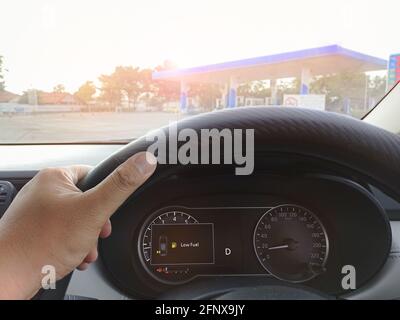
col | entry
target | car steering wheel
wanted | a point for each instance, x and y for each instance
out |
(372, 152)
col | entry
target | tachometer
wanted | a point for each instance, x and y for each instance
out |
(170, 217)
(291, 243)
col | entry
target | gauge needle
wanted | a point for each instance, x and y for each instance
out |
(289, 244)
(285, 246)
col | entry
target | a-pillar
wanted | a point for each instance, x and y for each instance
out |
(305, 81)
(232, 93)
(184, 96)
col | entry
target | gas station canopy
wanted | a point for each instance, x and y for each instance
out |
(320, 61)
(303, 64)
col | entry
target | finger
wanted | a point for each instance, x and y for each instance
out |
(106, 230)
(111, 193)
(83, 266)
(92, 256)
(77, 172)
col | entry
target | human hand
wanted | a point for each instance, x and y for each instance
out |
(52, 222)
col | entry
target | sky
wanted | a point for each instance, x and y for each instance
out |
(47, 42)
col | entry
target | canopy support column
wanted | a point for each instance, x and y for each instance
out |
(183, 96)
(232, 93)
(274, 92)
(305, 81)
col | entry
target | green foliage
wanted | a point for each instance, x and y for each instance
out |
(86, 92)
(133, 82)
(341, 86)
(130, 82)
(254, 89)
(24, 98)
(110, 92)
(261, 89)
(355, 86)
(289, 87)
(377, 88)
(59, 88)
(207, 93)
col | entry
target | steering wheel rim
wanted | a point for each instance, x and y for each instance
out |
(372, 151)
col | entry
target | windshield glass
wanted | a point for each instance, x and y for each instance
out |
(100, 71)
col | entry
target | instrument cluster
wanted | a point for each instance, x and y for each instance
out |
(287, 241)
(298, 230)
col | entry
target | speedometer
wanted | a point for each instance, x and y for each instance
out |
(169, 217)
(291, 243)
(166, 254)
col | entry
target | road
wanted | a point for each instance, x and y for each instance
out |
(73, 127)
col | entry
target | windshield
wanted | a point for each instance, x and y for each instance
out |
(101, 71)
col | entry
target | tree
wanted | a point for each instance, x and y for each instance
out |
(59, 88)
(86, 92)
(377, 88)
(260, 89)
(109, 91)
(245, 90)
(165, 91)
(289, 87)
(133, 82)
(254, 89)
(207, 93)
(340, 86)
(2, 83)
(24, 98)
(130, 82)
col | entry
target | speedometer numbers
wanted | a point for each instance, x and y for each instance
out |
(291, 243)
(170, 217)
(163, 246)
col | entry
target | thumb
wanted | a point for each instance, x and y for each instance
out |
(111, 193)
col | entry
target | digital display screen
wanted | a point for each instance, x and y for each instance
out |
(174, 244)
